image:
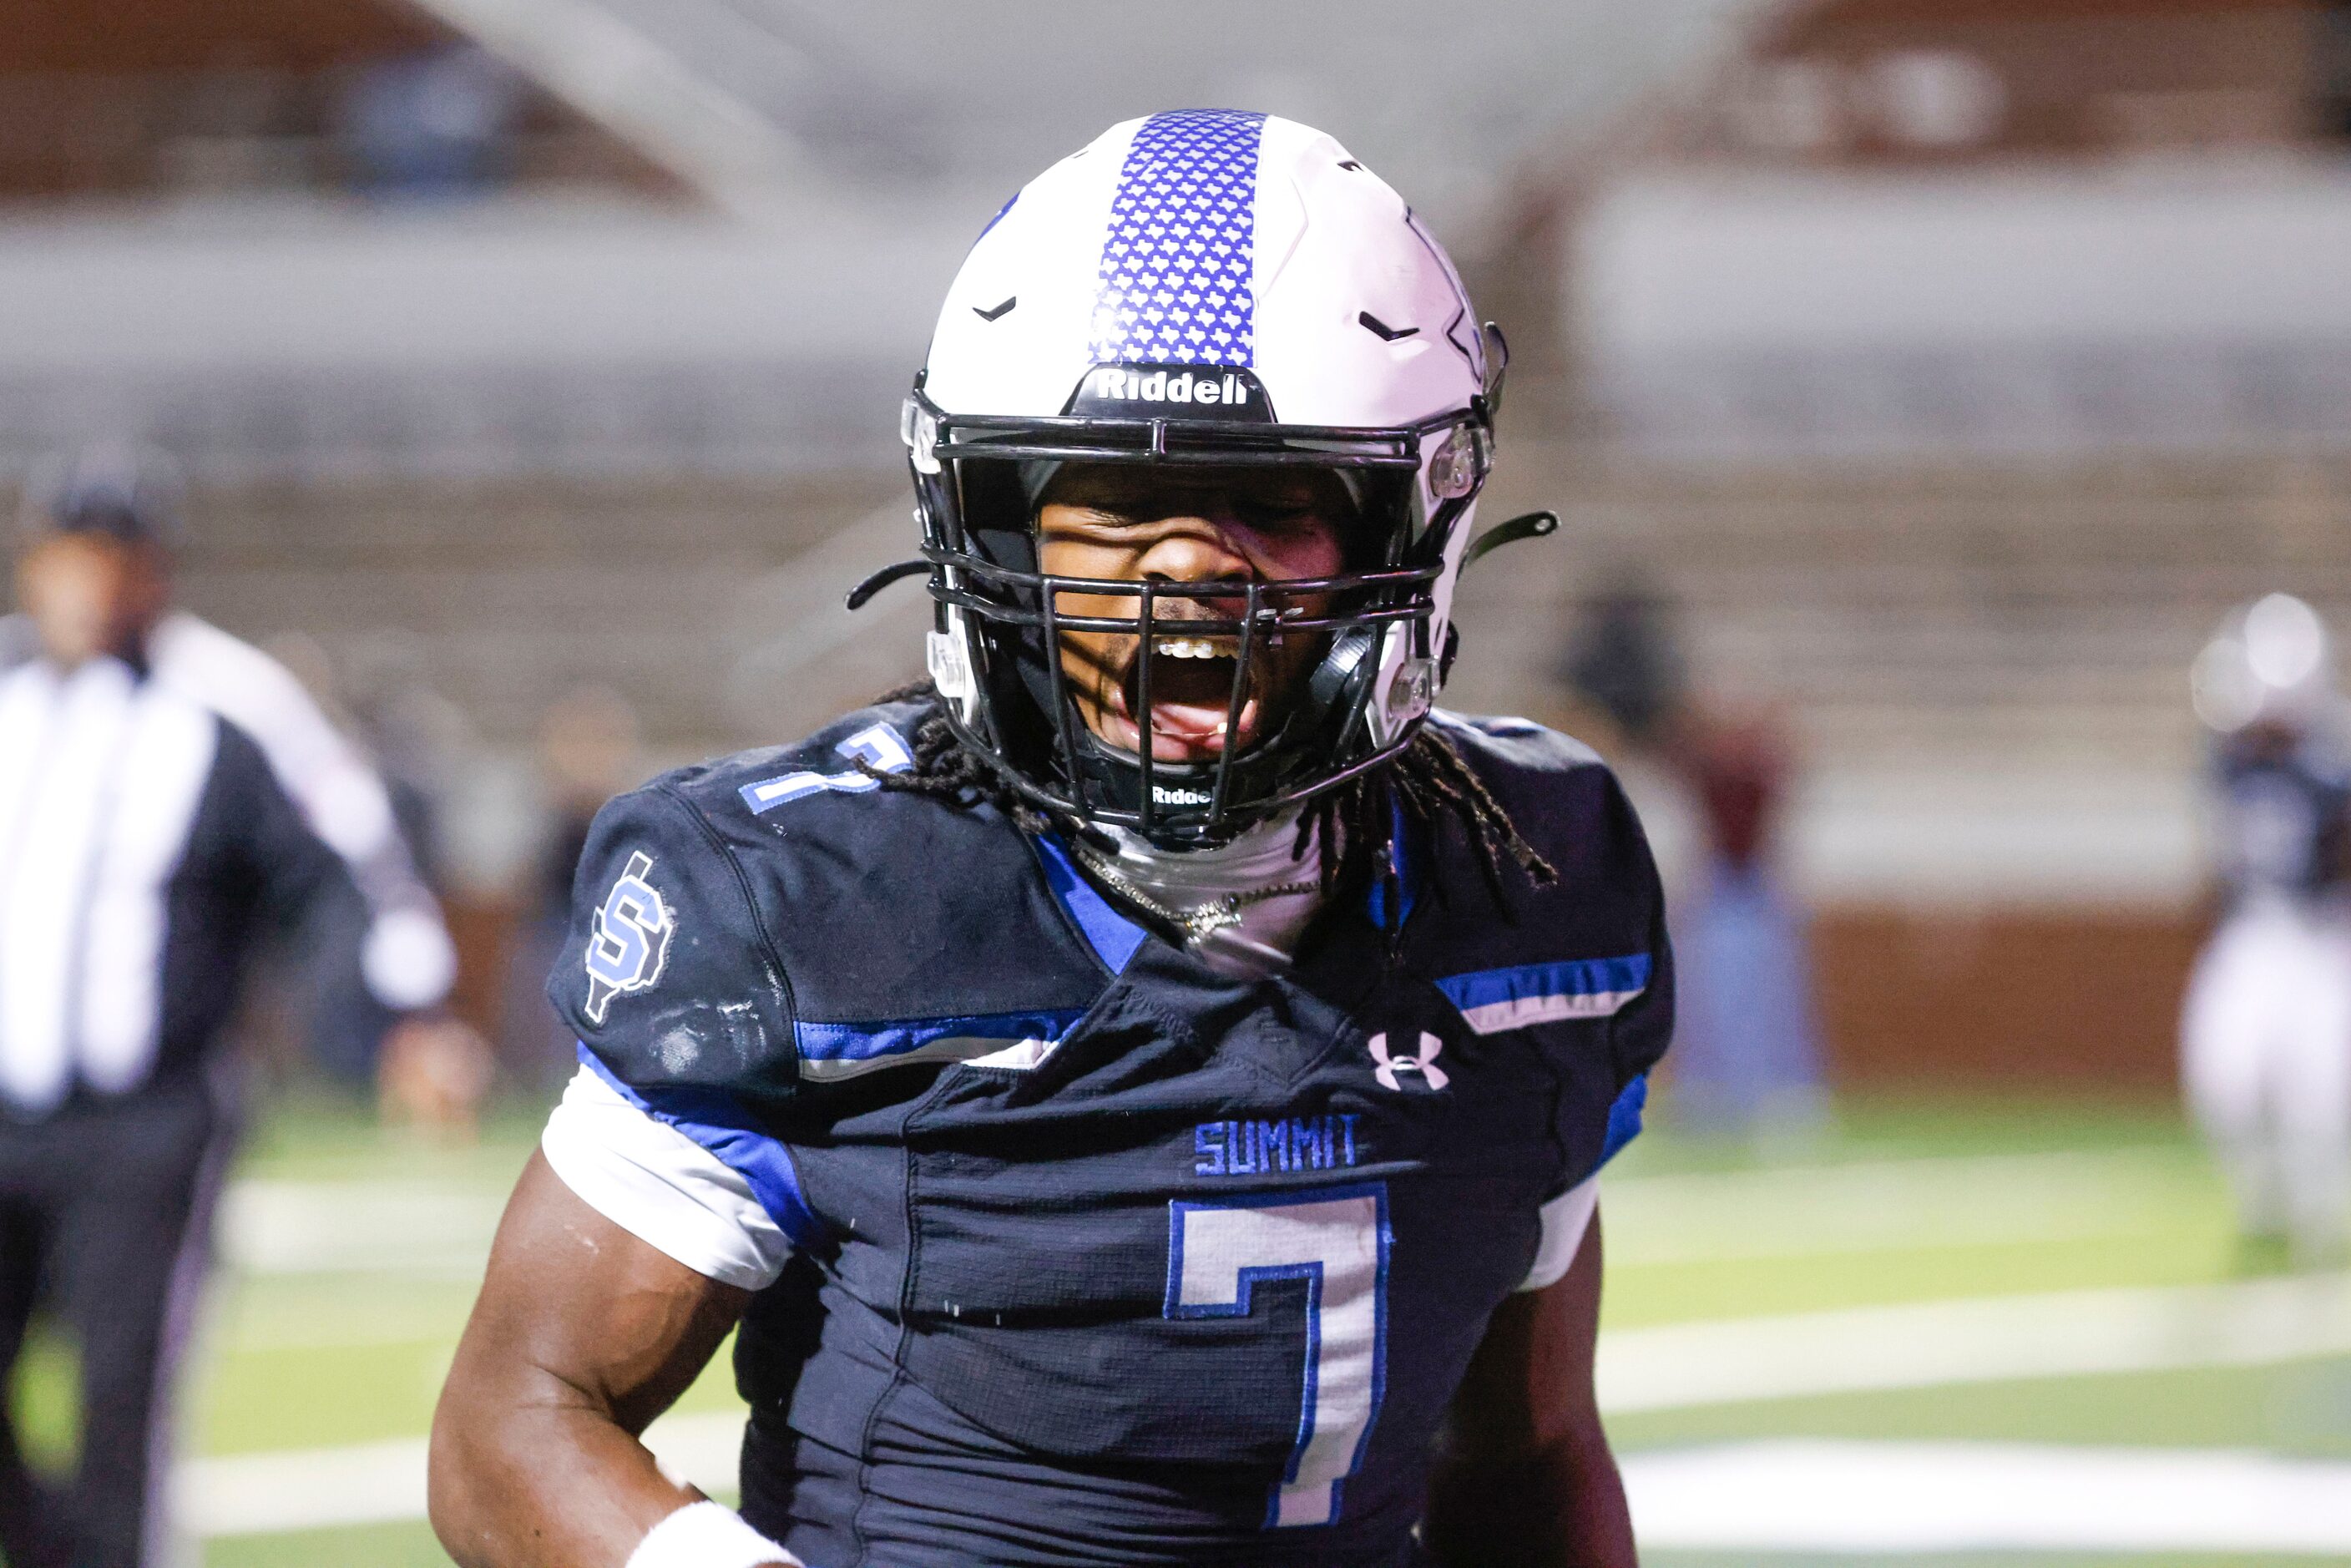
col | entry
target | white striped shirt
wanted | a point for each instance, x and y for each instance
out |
(147, 820)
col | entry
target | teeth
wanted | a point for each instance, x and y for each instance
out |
(1187, 648)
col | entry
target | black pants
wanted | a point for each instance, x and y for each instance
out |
(105, 1211)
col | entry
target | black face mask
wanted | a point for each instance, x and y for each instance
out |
(978, 481)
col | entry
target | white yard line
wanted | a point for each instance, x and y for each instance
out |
(433, 1228)
(1684, 1365)
(2064, 1334)
(442, 1228)
(1840, 1182)
(301, 1489)
(1889, 1205)
(1889, 1497)
(383, 1483)
(1778, 1496)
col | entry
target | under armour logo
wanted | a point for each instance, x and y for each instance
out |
(1424, 1063)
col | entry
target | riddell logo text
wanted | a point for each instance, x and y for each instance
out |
(1169, 386)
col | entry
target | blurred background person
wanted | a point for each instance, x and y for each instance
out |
(167, 795)
(1752, 1056)
(328, 1016)
(1620, 683)
(589, 751)
(1712, 780)
(407, 734)
(1624, 665)
(2265, 1035)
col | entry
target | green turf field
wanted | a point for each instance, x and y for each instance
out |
(2054, 1276)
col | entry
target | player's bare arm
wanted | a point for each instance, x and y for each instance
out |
(1524, 1473)
(581, 1336)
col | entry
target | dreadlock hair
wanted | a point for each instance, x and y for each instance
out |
(1352, 825)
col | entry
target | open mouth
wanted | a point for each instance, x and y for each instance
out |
(1191, 697)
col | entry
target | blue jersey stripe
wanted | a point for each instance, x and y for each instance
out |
(1177, 275)
(880, 1038)
(718, 1120)
(1113, 936)
(1540, 982)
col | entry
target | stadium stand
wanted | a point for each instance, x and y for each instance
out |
(1956, 368)
(626, 414)
(169, 100)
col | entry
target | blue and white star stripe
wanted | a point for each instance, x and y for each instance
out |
(1177, 266)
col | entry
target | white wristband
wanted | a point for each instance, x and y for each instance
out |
(707, 1535)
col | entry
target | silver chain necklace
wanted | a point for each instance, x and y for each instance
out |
(1206, 919)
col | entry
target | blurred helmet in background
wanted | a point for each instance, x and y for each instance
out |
(1205, 288)
(2270, 662)
(126, 492)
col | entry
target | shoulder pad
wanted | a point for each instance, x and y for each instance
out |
(665, 973)
(1590, 947)
(819, 927)
(1517, 743)
(1568, 804)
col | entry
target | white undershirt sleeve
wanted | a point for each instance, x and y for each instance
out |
(660, 1187)
(1565, 1218)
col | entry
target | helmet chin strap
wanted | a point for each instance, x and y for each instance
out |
(1114, 778)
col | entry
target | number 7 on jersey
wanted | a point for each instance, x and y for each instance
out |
(1336, 1240)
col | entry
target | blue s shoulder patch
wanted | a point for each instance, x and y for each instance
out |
(627, 939)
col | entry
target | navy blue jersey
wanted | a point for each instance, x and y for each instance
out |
(1101, 1257)
(2282, 805)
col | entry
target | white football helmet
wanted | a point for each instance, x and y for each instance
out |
(1206, 287)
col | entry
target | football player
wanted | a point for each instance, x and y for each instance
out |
(1138, 1096)
(2265, 1035)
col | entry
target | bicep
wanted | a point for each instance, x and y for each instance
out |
(581, 1335)
(1530, 1385)
(576, 1302)
(1525, 1475)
